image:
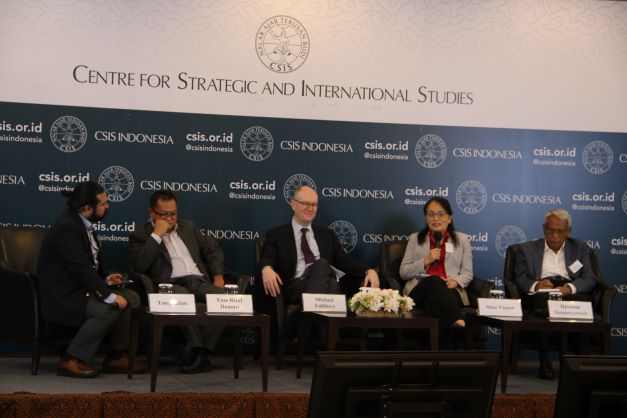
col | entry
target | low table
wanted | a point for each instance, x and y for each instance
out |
(157, 321)
(335, 321)
(534, 324)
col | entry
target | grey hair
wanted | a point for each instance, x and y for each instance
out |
(560, 214)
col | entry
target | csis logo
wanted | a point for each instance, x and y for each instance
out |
(619, 332)
(346, 233)
(68, 134)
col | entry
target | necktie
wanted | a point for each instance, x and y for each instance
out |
(304, 246)
(95, 245)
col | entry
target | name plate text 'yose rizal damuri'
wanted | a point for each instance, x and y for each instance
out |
(229, 304)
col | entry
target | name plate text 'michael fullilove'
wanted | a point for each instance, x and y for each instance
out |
(499, 307)
(229, 304)
(171, 303)
(313, 302)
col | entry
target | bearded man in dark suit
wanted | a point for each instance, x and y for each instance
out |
(75, 290)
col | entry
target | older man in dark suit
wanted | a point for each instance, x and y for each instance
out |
(75, 291)
(172, 250)
(555, 262)
(300, 256)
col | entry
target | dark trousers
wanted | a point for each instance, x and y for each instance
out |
(205, 336)
(102, 319)
(318, 277)
(537, 305)
(437, 300)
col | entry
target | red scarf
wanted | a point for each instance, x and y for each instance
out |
(437, 269)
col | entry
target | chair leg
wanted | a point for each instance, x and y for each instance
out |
(36, 357)
(363, 340)
(513, 361)
(237, 351)
(280, 353)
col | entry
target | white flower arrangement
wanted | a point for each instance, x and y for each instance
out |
(375, 300)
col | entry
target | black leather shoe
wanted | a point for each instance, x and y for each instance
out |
(546, 370)
(185, 356)
(199, 364)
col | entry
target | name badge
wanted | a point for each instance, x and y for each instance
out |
(229, 304)
(314, 302)
(171, 303)
(570, 309)
(449, 248)
(499, 307)
(576, 266)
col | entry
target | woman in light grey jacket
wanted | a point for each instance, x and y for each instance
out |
(437, 265)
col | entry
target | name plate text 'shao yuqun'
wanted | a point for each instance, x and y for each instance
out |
(499, 307)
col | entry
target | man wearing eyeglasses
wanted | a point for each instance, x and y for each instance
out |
(174, 251)
(302, 258)
(556, 262)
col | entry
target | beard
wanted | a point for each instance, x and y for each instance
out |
(95, 218)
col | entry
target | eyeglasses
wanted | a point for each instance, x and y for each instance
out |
(440, 214)
(553, 231)
(165, 215)
(307, 204)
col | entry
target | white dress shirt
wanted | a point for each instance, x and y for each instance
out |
(554, 264)
(182, 262)
(95, 249)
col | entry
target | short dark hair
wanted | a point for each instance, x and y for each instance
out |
(83, 194)
(161, 195)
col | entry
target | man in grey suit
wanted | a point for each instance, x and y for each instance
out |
(555, 262)
(174, 251)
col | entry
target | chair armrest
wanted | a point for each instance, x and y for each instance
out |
(480, 287)
(512, 290)
(602, 297)
(146, 281)
(388, 277)
(607, 297)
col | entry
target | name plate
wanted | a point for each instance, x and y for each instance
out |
(230, 304)
(570, 309)
(314, 302)
(499, 307)
(171, 303)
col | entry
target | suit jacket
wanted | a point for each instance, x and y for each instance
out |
(528, 268)
(152, 258)
(458, 264)
(66, 271)
(279, 252)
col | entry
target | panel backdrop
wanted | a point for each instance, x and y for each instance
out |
(507, 108)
